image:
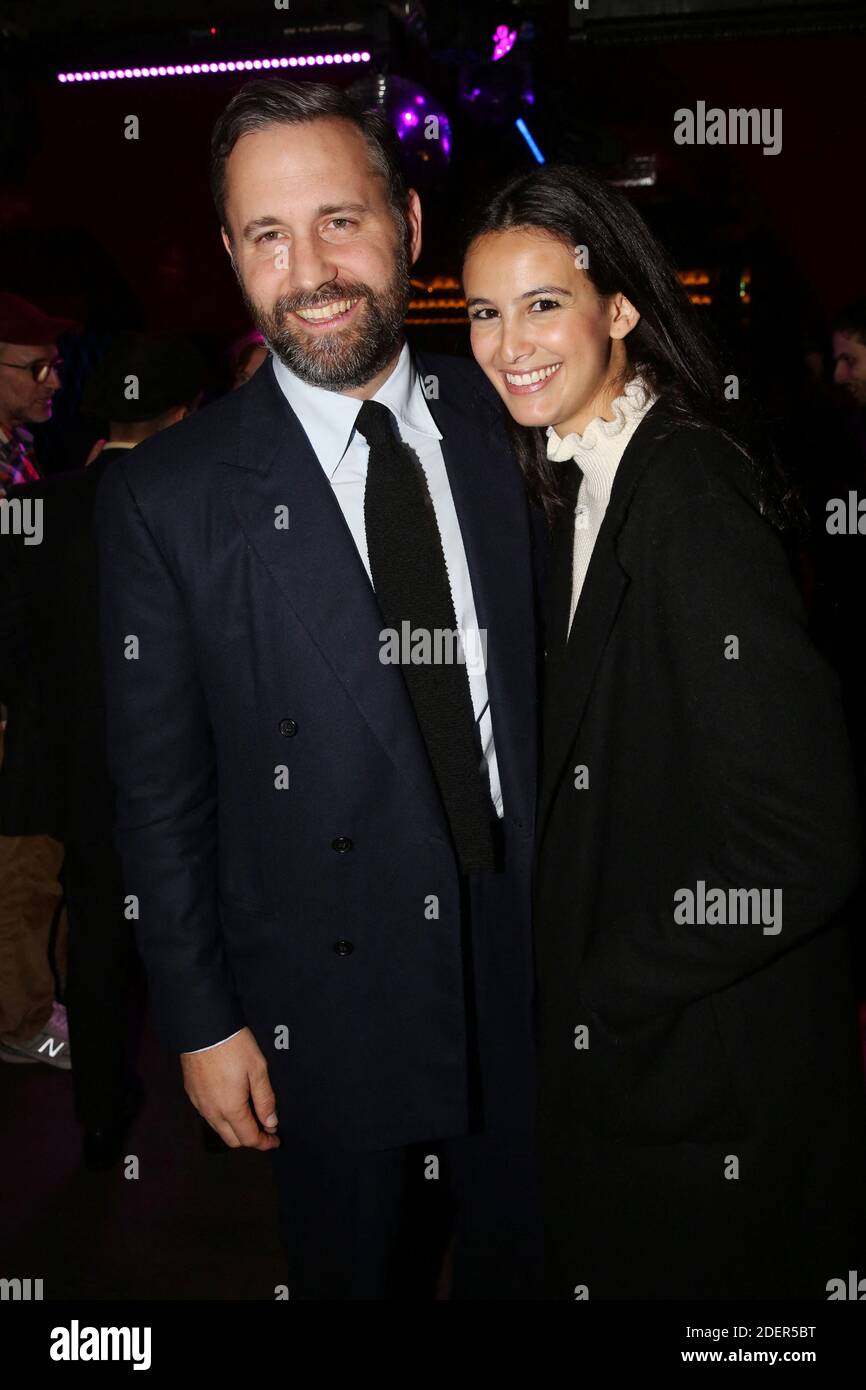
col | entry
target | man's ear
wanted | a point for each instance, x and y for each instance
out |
(227, 244)
(413, 225)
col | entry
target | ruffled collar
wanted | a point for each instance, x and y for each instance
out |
(628, 411)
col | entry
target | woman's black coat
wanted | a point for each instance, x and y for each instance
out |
(702, 1093)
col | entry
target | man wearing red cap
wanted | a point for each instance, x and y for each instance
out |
(29, 377)
(32, 1025)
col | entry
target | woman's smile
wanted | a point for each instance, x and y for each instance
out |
(523, 383)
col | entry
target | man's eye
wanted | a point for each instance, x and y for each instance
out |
(266, 236)
(341, 223)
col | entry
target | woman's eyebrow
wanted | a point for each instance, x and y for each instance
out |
(545, 289)
(530, 294)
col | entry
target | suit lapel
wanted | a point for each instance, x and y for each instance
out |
(492, 511)
(316, 567)
(573, 665)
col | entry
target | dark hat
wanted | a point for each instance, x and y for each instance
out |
(142, 376)
(23, 325)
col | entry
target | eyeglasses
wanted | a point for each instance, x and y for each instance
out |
(40, 369)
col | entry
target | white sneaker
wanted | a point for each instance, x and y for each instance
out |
(51, 1045)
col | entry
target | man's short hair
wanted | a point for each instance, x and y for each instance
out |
(852, 320)
(265, 102)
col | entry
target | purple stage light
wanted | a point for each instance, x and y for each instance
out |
(503, 41)
(195, 69)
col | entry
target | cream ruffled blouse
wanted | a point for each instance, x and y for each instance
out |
(597, 453)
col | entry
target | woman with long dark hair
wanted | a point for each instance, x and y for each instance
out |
(701, 1095)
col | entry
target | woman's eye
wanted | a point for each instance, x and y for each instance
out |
(547, 303)
(481, 314)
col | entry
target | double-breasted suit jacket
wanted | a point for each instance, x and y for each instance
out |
(277, 814)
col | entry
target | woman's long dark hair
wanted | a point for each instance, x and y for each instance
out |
(668, 347)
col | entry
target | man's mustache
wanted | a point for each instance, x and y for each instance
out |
(291, 303)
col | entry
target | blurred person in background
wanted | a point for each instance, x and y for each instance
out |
(29, 377)
(247, 356)
(51, 669)
(33, 1025)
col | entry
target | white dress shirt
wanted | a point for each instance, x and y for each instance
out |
(328, 420)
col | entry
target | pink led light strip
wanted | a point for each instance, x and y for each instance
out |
(198, 69)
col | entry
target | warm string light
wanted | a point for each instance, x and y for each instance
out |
(200, 69)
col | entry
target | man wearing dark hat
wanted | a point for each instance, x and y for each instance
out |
(29, 377)
(144, 385)
(49, 634)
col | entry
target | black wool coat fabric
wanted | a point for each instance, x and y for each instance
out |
(701, 1114)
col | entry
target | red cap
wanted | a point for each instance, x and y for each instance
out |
(24, 325)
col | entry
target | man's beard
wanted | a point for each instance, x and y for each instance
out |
(348, 357)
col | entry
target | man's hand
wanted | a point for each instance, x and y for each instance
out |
(224, 1082)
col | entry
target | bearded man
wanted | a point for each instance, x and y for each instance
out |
(330, 852)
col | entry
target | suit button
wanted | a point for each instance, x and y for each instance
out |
(343, 948)
(288, 728)
(342, 844)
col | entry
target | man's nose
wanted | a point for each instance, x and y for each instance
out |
(840, 374)
(311, 266)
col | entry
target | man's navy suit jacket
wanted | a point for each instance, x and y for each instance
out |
(241, 642)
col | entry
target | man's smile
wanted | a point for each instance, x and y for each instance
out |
(327, 314)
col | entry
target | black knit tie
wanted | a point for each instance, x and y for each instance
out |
(411, 583)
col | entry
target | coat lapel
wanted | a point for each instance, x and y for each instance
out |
(317, 569)
(572, 666)
(494, 522)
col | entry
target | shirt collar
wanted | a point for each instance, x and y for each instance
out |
(19, 435)
(328, 418)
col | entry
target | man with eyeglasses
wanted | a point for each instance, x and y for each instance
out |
(29, 376)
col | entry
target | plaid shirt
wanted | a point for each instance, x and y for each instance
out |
(16, 459)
